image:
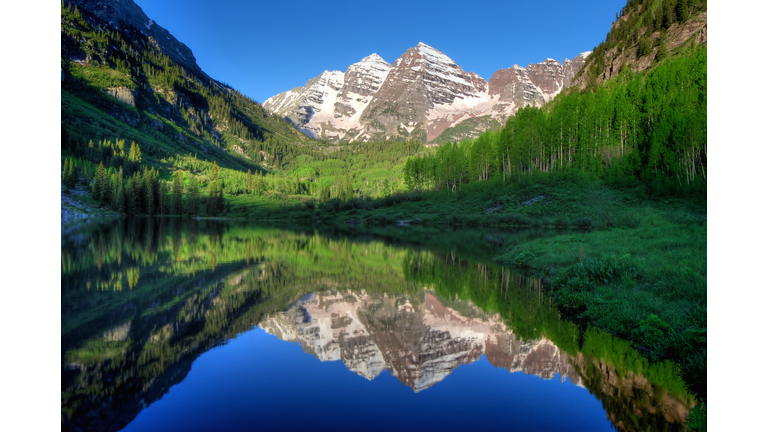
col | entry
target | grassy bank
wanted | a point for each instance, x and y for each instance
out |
(554, 200)
(646, 284)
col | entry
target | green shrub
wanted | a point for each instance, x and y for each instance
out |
(561, 222)
(697, 418)
(595, 271)
(583, 222)
(627, 219)
(521, 260)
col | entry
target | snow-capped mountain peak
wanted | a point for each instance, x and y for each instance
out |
(421, 95)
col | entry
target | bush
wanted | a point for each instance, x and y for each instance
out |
(561, 222)
(684, 218)
(594, 271)
(473, 220)
(521, 260)
(697, 418)
(583, 222)
(628, 219)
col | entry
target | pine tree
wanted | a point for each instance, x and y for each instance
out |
(65, 177)
(213, 192)
(177, 206)
(193, 195)
(72, 175)
(149, 193)
(163, 204)
(118, 202)
(681, 10)
(134, 195)
(100, 183)
(134, 156)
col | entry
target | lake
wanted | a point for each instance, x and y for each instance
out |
(170, 324)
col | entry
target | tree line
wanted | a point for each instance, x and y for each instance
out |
(651, 127)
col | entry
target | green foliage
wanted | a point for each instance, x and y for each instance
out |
(697, 418)
(593, 271)
(644, 46)
(638, 17)
(583, 222)
(648, 128)
(177, 203)
(646, 284)
(521, 259)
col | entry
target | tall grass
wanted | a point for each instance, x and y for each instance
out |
(647, 284)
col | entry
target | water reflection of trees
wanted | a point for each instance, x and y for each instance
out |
(141, 299)
(637, 395)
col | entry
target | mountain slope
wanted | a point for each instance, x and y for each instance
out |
(124, 76)
(421, 96)
(645, 33)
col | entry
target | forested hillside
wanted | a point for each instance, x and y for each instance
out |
(117, 83)
(649, 127)
(645, 33)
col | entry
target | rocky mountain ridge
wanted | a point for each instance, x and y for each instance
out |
(122, 15)
(420, 96)
(417, 338)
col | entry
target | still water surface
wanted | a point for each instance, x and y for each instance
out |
(186, 325)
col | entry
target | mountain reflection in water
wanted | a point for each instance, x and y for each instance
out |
(416, 337)
(142, 300)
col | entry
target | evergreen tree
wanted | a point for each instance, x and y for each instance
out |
(118, 200)
(134, 195)
(681, 10)
(72, 175)
(193, 196)
(177, 206)
(100, 183)
(149, 193)
(163, 204)
(66, 176)
(213, 192)
(134, 156)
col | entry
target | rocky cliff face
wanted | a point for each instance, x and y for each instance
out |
(420, 96)
(693, 31)
(418, 339)
(123, 14)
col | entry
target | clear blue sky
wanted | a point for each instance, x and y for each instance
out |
(265, 47)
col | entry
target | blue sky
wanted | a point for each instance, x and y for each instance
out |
(263, 48)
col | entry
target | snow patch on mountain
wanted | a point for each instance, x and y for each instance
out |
(424, 88)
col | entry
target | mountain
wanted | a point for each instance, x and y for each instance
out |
(423, 95)
(644, 34)
(416, 337)
(123, 76)
(125, 15)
